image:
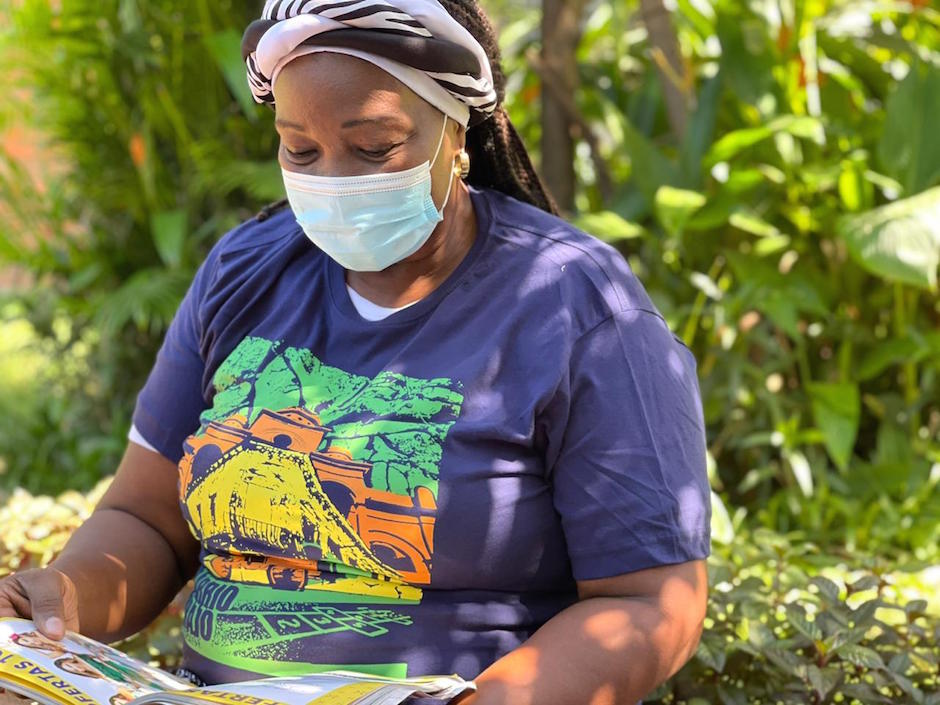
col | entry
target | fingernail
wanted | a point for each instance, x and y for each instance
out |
(54, 625)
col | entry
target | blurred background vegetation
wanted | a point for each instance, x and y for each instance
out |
(770, 168)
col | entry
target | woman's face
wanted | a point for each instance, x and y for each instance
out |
(342, 116)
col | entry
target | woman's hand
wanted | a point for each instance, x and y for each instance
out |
(121, 567)
(45, 595)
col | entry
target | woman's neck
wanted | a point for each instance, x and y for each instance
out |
(417, 276)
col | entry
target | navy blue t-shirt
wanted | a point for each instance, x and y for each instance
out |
(419, 494)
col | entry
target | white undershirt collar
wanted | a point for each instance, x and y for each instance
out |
(372, 311)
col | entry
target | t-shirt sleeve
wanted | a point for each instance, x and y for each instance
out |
(629, 480)
(171, 400)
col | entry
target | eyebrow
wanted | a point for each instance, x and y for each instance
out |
(368, 120)
(281, 122)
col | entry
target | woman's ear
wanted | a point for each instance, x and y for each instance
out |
(460, 136)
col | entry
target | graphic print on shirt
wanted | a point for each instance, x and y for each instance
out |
(313, 492)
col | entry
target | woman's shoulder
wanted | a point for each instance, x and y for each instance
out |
(244, 250)
(587, 272)
(258, 232)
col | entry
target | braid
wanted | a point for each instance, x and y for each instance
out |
(498, 158)
(270, 210)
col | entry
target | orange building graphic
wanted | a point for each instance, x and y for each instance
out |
(273, 508)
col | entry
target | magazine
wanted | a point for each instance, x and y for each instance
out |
(80, 671)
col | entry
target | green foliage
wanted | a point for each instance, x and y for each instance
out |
(34, 529)
(790, 237)
(151, 148)
(787, 624)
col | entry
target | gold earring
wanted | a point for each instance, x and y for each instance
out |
(463, 167)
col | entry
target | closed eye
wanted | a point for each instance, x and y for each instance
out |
(304, 153)
(379, 153)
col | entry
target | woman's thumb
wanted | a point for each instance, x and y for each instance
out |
(47, 591)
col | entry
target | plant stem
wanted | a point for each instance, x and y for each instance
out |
(691, 325)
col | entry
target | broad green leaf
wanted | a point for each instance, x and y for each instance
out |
(225, 47)
(828, 589)
(168, 229)
(823, 680)
(801, 472)
(721, 525)
(728, 695)
(783, 659)
(864, 613)
(747, 54)
(752, 223)
(857, 192)
(890, 352)
(866, 582)
(771, 244)
(893, 446)
(900, 241)
(701, 127)
(650, 168)
(608, 226)
(909, 149)
(674, 207)
(736, 141)
(836, 409)
(860, 656)
(711, 652)
(796, 615)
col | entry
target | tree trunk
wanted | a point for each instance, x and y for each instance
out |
(561, 34)
(664, 46)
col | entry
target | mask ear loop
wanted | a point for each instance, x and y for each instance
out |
(450, 182)
(440, 143)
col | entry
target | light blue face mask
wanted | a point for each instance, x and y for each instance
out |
(368, 223)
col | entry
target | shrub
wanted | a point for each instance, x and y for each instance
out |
(785, 623)
(33, 530)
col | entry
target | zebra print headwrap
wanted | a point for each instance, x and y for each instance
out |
(416, 41)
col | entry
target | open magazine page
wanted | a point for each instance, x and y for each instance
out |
(74, 671)
(333, 688)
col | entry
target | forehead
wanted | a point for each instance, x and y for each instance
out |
(337, 87)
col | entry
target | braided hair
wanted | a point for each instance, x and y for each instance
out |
(498, 158)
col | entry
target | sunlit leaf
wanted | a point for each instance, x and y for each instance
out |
(675, 206)
(828, 589)
(899, 241)
(734, 142)
(753, 223)
(608, 226)
(860, 656)
(801, 472)
(169, 235)
(797, 616)
(722, 527)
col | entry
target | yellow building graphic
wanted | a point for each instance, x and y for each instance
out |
(275, 509)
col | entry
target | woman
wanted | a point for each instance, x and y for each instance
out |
(415, 423)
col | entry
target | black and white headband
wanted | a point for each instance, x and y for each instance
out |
(416, 41)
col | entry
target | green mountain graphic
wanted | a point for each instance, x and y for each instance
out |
(396, 423)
